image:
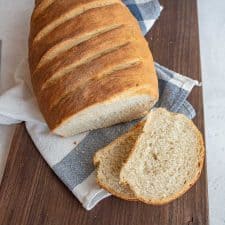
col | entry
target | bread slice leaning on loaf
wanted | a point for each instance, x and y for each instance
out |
(167, 158)
(90, 65)
(110, 159)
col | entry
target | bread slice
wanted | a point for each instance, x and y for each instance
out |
(109, 161)
(166, 160)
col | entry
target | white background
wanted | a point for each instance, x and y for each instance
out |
(212, 43)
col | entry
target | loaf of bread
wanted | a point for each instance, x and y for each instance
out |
(156, 162)
(90, 65)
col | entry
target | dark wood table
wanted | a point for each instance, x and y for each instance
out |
(31, 193)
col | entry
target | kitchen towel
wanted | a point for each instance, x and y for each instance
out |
(71, 158)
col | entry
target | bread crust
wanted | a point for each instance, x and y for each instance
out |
(42, 18)
(186, 187)
(114, 193)
(67, 78)
(75, 28)
(66, 108)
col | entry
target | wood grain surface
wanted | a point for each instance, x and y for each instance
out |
(31, 193)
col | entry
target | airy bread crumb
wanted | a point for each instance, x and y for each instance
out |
(166, 160)
(109, 161)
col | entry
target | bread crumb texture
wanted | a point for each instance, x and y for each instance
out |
(109, 161)
(167, 158)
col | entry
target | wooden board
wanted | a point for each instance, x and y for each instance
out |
(31, 193)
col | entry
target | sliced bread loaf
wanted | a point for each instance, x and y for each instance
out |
(109, 161)
(166, 160)
(89, 70)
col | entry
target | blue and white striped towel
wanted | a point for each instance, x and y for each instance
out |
(71, 158)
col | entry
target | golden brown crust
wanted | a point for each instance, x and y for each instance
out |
(187, 186)
(85, 23)
(82, 75)
(115, 193)
(97, 91)
(66, 76)
(84, 53)
(48, 15)
(37, 2)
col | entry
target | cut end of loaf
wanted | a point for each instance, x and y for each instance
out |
(121, 109)
(167, 158)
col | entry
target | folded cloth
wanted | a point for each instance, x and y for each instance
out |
(71, 158)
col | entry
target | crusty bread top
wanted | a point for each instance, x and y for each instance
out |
(65, 21)
(110, 159)
(166, 160)
(85, 52)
